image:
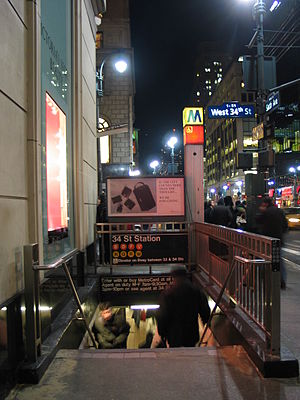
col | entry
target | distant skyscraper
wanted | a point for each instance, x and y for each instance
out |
(210, 65)
(165, 161)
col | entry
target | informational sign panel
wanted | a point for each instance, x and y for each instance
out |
(145, 197)
(149, 248)
(231, 110)
(272, 102)
(120, 285)
(193, 134)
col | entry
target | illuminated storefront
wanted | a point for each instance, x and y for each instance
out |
(57, 142)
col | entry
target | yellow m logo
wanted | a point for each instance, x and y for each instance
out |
(193, 116)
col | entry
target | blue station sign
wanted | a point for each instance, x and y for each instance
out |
(272, 102)
(231, 110)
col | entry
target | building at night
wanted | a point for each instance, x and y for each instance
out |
(115, 105)
(225, 138)
(210, 66)
(166, 161)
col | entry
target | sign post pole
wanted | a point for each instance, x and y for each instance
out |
(193, 131)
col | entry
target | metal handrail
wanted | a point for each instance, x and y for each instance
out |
(251, 261)
(57, 263)
(254, 287)
(32, 297)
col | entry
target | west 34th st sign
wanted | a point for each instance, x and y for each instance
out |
(231, 110)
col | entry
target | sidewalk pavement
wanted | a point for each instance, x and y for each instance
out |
(223, 373)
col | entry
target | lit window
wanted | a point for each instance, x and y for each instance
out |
(198, 93)
(209, 93)
(104, 142)
(104, 149)
(103, 124)
(99, 40)
(198, 75)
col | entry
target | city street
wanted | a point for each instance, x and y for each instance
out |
(291, 248)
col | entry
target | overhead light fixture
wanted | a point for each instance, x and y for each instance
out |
(145, 307)
(275, 5)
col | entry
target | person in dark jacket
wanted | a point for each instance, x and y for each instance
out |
(207, 210)
(101, 209)
(220, 214)
(273, 223)
(100, 218)
(229, 204)
(177, 317)
(110, 328)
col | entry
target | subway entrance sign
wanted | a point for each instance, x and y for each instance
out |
(193, 125)
(192, 116)
(193, 134)
(231, 110)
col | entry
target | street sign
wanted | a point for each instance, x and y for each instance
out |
(258, 132)
(272, 102)
(149, 248)
(231, 110)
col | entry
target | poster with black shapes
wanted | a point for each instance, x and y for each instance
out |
(145, 197)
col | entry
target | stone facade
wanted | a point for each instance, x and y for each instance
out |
(116, 105)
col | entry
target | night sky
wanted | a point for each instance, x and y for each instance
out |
(165, 38)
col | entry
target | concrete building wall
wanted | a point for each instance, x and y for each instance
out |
(20, 134)
(88, 127)
(13, 146)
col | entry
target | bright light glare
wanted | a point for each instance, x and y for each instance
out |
(292, 170)
(212, 190)
(154, 164)
(239, 183)
(135, 173)
(225, 187)
(172, 141)
(275, 5)
(298, 168)
(145, 307)
(121, 66)
(271, 183)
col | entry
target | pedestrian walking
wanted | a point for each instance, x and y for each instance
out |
(177, 317)
(272, 222)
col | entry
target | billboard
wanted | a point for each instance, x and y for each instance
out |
(145, 197)
(56, 167)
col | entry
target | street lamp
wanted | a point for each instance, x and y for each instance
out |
(154, 164)
(120, 65)
(171, 143)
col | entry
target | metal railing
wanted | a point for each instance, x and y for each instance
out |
(103, 236)
(246, 267)
(32, 297)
